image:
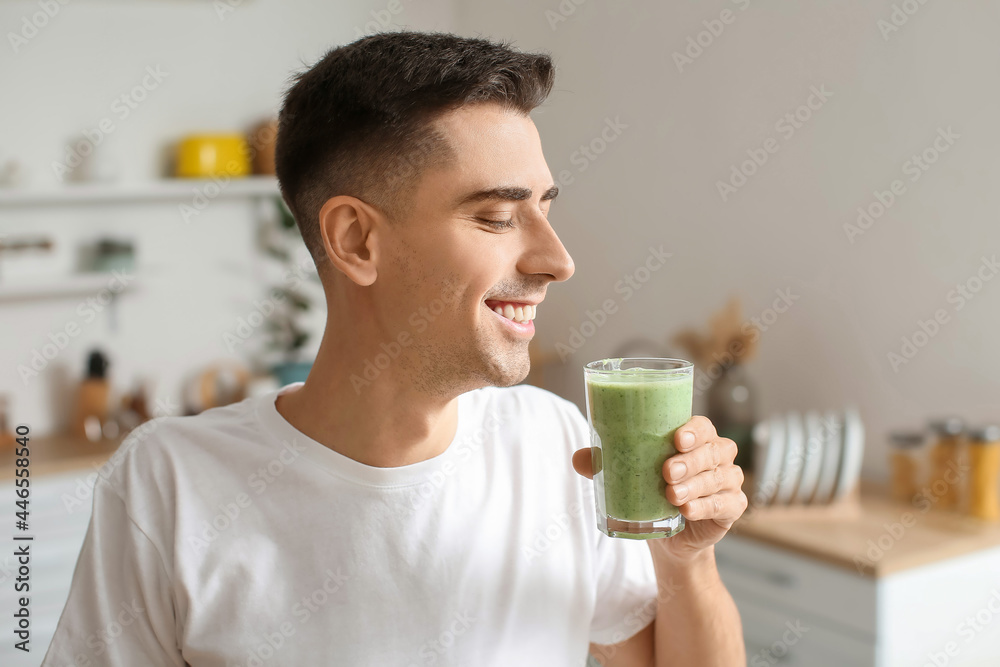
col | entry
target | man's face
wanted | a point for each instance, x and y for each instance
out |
(445, 268)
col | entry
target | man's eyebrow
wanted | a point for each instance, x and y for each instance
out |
(506, 193)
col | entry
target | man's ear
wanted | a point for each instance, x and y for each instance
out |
(350, 232)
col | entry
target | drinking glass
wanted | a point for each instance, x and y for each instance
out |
(634, 408)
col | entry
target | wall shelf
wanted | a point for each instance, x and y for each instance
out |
(174, 189)
(48, 287)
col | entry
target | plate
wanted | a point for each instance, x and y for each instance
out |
(791, 468)
(769, 436)
(813, 460)
(830, 429)
(852, 455)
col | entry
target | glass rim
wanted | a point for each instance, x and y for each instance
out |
(675, 366)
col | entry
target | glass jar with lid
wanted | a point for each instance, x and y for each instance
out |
(984, 482)
(947, 477)
(907, 463)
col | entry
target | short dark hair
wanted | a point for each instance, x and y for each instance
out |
(360, 121)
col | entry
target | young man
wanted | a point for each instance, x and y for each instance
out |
(406, 505)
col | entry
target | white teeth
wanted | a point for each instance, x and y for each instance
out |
(518, 313)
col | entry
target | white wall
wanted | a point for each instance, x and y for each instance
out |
(224, 71)
(656, 183)
(225, 68)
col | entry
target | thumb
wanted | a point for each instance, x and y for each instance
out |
(582, 463)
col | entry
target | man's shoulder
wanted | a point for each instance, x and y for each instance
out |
(161, 445)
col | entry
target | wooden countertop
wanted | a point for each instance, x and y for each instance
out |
(59, 453)
(876, 542)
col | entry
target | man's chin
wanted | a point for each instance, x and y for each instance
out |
(511, 380)
(508, 369)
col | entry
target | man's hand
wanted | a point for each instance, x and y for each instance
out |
(702, 481)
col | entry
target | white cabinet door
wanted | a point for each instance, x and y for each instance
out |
(946, 614)
(797, 611)
(774, 637)
(783, 580)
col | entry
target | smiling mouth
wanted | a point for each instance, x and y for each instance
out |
(515, 311)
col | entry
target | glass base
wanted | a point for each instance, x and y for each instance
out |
(641, 530)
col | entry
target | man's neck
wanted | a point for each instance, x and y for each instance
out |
(385, 424)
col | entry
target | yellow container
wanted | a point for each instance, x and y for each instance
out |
(948, 479)
(985, 489)
(211, 155)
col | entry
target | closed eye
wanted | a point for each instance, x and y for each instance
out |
(497, 224)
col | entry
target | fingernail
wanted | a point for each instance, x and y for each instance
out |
(687, 438)
(681, 491)
(677, 469)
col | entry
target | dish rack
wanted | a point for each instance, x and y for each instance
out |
(807, 465)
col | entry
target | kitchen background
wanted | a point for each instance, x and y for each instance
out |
(828, 164)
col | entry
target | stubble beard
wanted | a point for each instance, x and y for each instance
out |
(463, 363)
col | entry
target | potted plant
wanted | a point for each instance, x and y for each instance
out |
(286, 335)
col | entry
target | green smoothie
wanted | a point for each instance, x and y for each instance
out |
(635, 416)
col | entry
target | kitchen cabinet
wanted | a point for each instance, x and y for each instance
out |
(869, 591)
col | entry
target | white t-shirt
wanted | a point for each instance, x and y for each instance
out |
(232, 539)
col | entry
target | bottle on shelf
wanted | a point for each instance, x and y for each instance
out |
(92, 405)
(7, 438)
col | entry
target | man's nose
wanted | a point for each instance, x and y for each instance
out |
(546, 254)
